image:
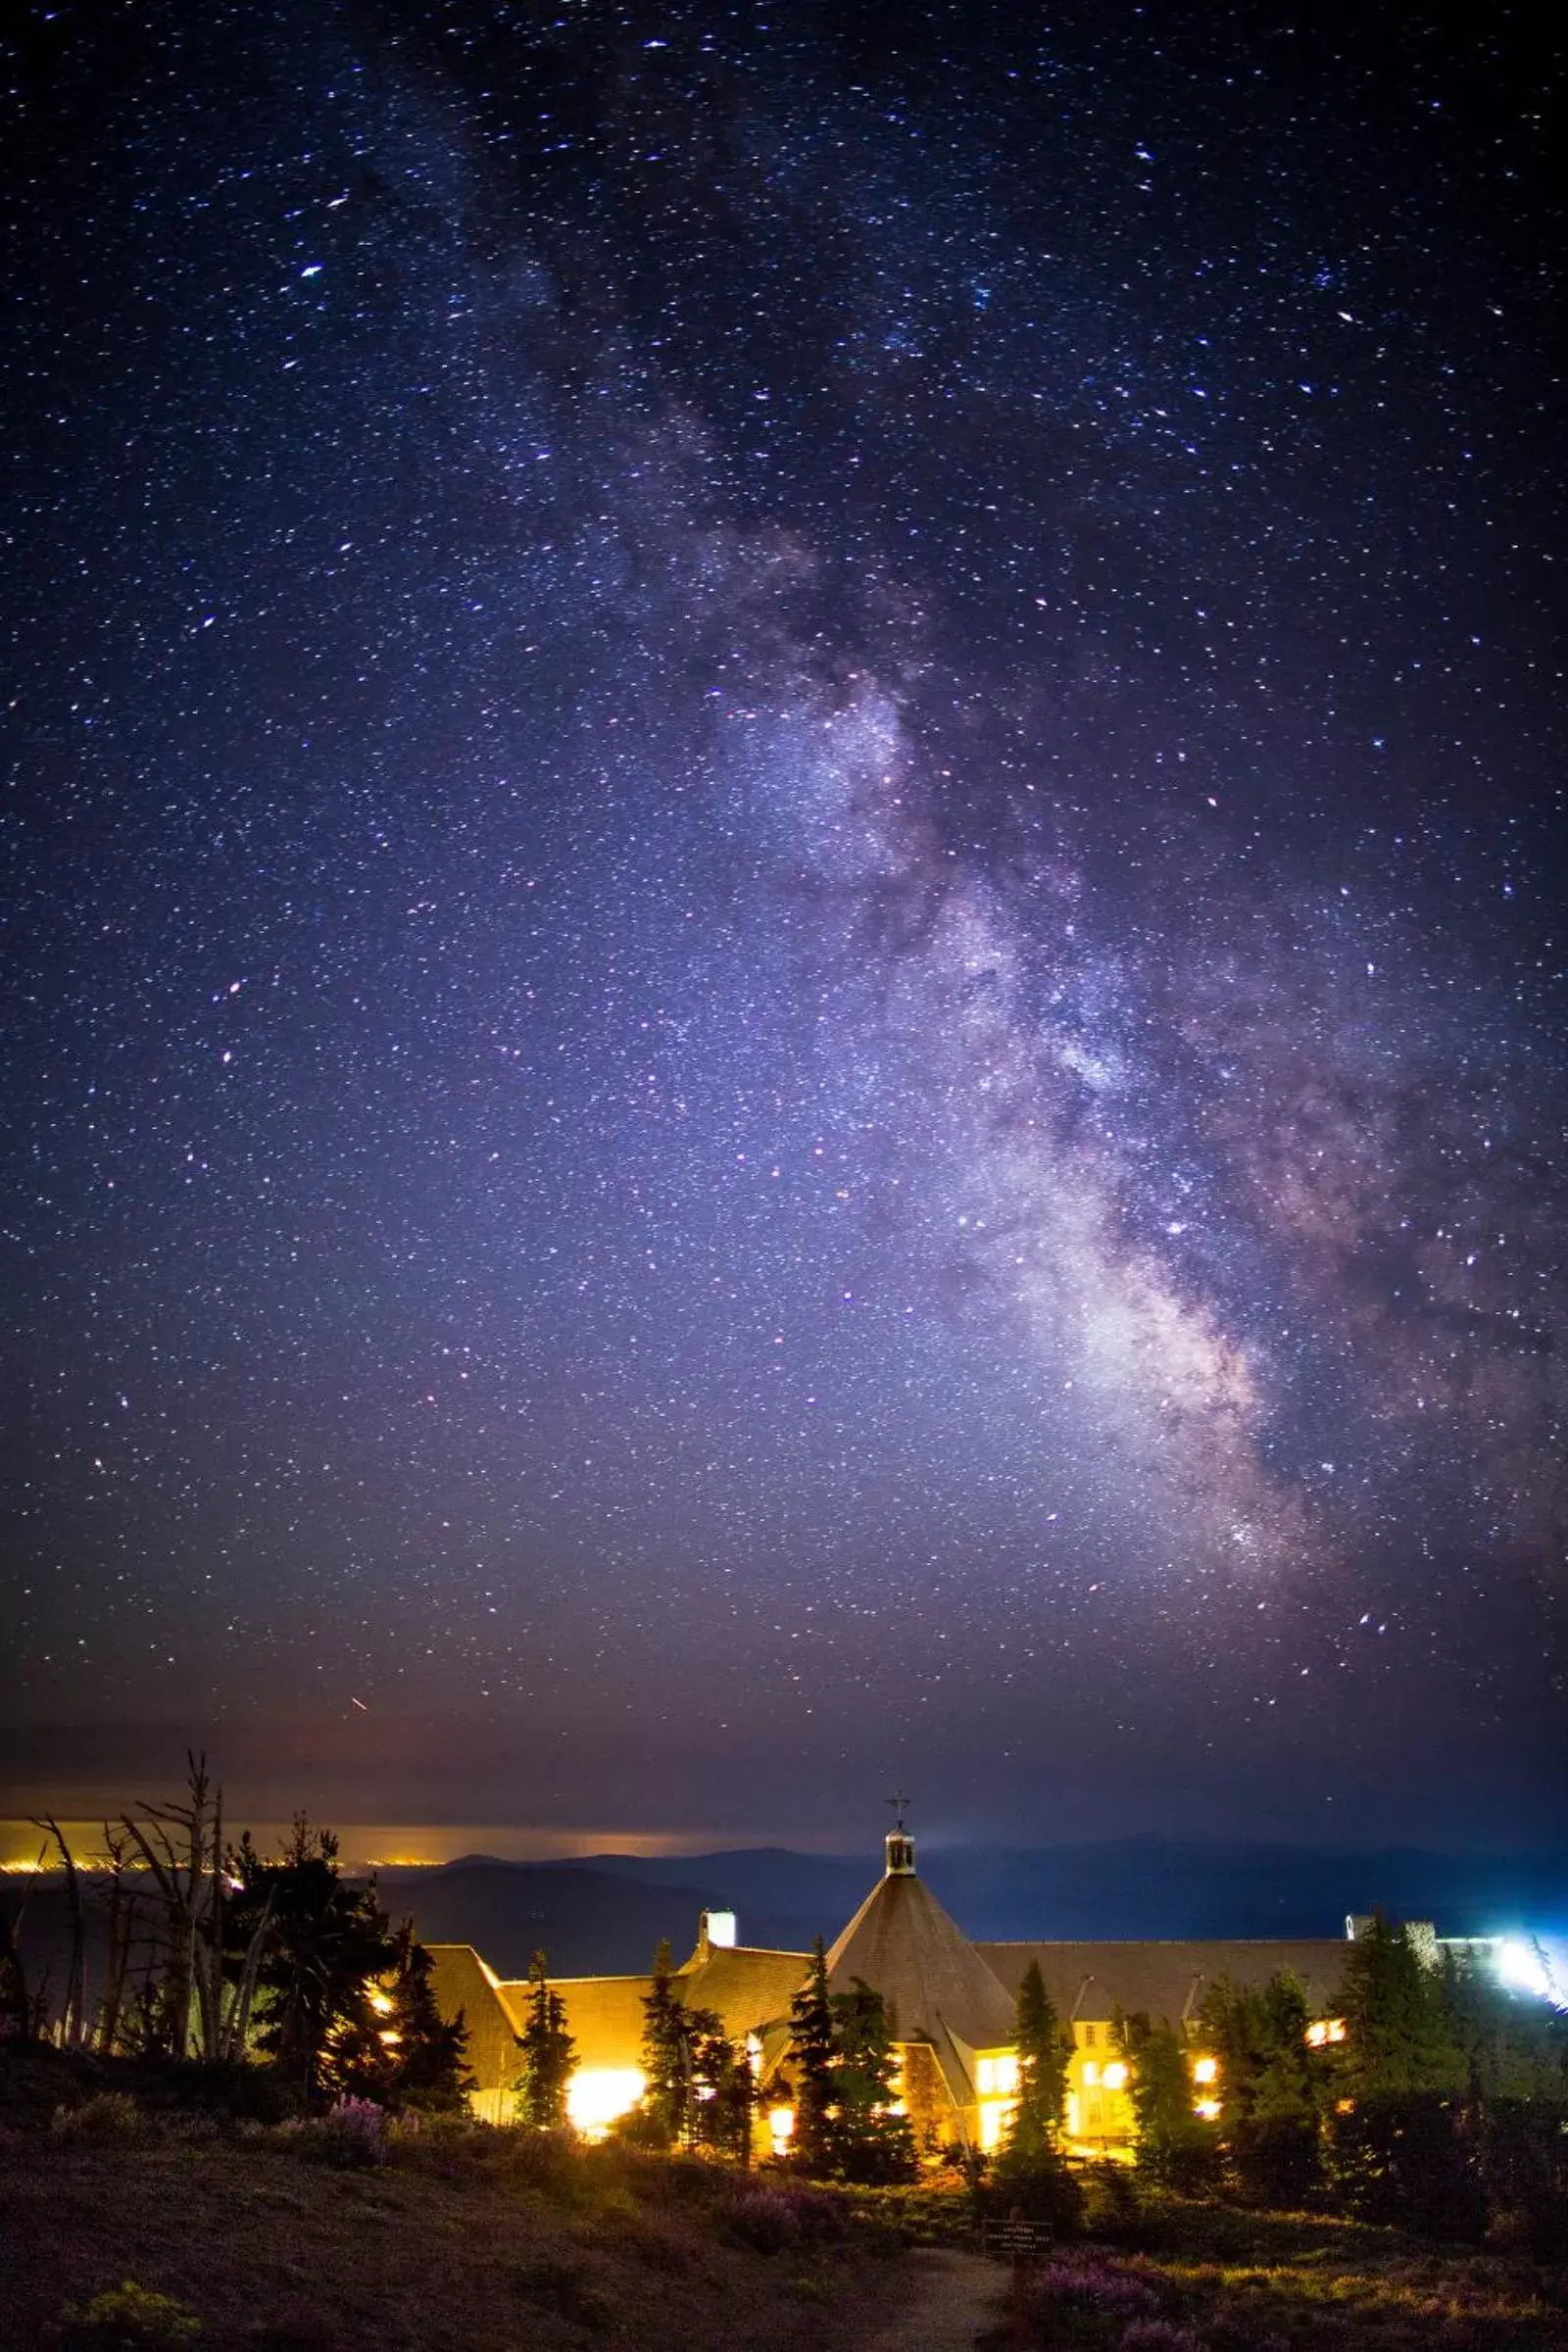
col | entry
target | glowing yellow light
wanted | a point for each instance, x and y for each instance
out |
(994, 2114)
(781, 2128)
(998, 2075)
(388, 2040)
(1206, 2070)
(1324, 2029)
(1208, 2109)
(1114, 2077)
(597, 2094)
(1090, 2072)
(380, 2002)
(1074, 2114)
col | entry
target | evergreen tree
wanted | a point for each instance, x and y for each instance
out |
(667, 2058)
(1400, 2035)
(327, 1944)
(867, 2141)
(700, 2092)
(1044, 2049)
(1175, 2146)
(1270, 2089)
(1513, 2046)
(723, 2092)
(548, 2053)
(399, 2050)
(812, 2054)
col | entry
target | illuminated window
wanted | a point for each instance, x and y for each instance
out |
(1088, 2037)
(1324, 2029)
(1114, 2077)
(1208, 2109)
(1206, 2070)
(1074, 2115)
(1090, 2072)
(781, 2128)
(998, 2075)
(597, 2094)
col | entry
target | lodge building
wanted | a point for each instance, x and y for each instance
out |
(952, 2003)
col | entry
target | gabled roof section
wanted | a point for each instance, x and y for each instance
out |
(750, 1987)
(460, 1981)
(935, 1984)
(605, 2015)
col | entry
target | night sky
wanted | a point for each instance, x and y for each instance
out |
(781, 892)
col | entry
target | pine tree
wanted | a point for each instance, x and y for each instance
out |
(812, 2054)
(1400, 2035)
(1175, 2146)
(1270, 2087)
(327, 1944)
(722, 2093)
(397, 2047)
(666, 2101)
(548, 2054)
(1044, 2049)
(868, 2141)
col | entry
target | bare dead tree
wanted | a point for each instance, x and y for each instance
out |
(123, 1914)
(174, 1845)
(33, 2008)
(181, 1846)
(237, 2023)
(16, 2010)
(71, 2030)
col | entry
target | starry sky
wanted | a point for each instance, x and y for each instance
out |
(781, 915)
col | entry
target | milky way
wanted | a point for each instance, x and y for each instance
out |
(781, 879)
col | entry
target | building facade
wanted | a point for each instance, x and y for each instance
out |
(951, 2005)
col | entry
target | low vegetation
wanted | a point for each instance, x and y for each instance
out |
(1185, 2275)
(130, 2224)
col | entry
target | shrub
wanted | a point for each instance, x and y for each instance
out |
(1114, 2207)
(1396, 2157)
(111, 2116)
(1160, 2335)
(1043, 2191)
(350, 2134)
(765, 2220)
(769, 2220)
(549, 2161)
(1086, 2283)
(128, 2315)
(232, 2088)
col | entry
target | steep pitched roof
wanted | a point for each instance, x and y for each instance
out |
(461, 1979)
(935, 1983)
(1164, 1979)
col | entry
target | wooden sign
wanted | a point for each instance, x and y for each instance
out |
(1022, 2241)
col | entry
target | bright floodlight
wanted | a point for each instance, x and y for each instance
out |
(1521, 1965)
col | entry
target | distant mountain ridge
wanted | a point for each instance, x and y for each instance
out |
(605, 1912)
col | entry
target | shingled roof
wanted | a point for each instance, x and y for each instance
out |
(750, 1987)
(1164, 1979)
(935, 1985)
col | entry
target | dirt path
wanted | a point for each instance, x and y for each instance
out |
(954, 2298)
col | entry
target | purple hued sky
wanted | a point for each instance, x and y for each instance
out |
(783, 921)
